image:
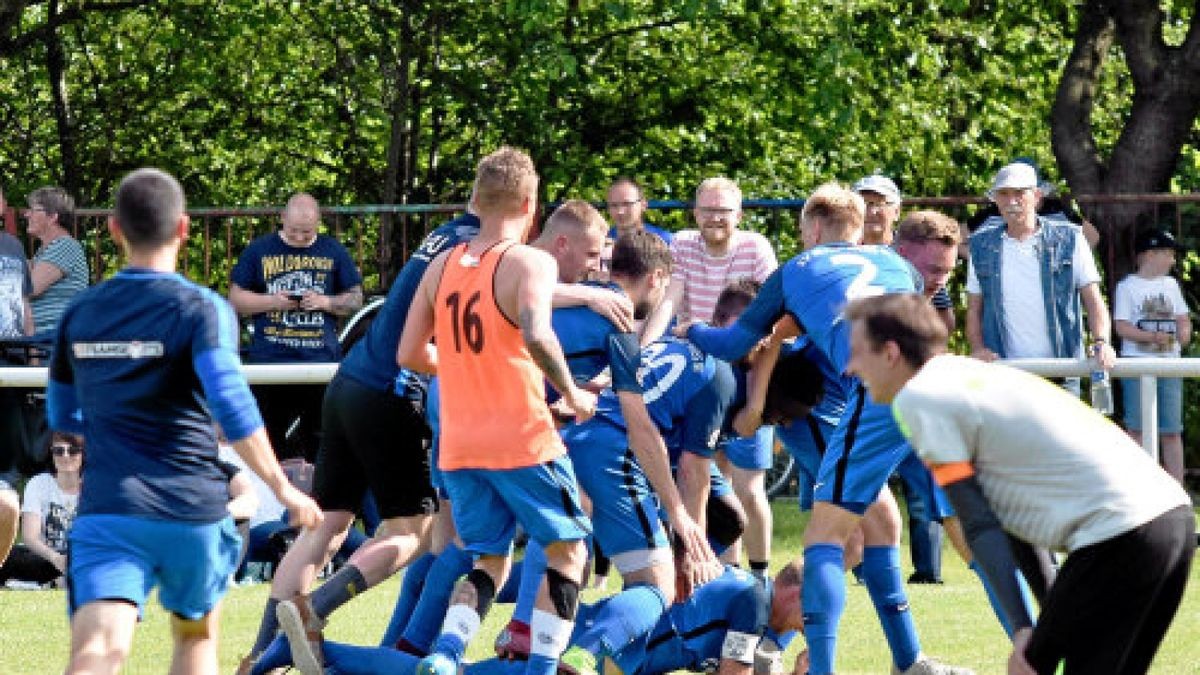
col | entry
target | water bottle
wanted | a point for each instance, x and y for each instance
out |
(1102, 396)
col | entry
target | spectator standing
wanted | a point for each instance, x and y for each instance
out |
(882, 199)
(1151, 317)
(16, 285)
(295, 283)
(710, 257)
(626, 204)
(1026, 280)
(46, 515)
(59, 267)
(1049, 205)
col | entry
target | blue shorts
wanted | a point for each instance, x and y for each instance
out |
(806, 440)
(718, 484)
(865, 449)
(625, 510)
(122, 557)
(434, 420)
(1170, 404)
(487, 505)
(917, 478)
(753, 453)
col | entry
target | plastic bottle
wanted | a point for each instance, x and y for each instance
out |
(1102, 395)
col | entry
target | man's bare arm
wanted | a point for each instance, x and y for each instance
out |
(414, 351)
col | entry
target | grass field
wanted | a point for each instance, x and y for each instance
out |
(955, 623)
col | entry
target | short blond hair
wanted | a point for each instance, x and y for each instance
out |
(719, 183)
(922, 226)
(504, 180)
(577, 216)
(840, 209)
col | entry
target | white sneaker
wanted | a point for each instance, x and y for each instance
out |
(927, 666)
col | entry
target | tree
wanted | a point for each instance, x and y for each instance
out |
(1164, 99)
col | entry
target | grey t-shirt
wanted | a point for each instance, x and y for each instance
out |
(15, 286)
(1057, 473)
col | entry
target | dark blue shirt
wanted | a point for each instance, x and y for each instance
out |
(372, 360)
(665, 235)
(147, 360)
(271, 265)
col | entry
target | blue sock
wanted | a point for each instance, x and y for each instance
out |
(450, 646)
(824, 599)
(343, 659)
(881, 576)
(541, 665)
(278, 654)
(508, 593)
(533, 570)
(622, 619)
(410, 593)
(427, 616)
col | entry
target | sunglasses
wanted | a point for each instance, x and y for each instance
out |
(64, 449)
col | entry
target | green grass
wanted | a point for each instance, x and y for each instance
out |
(955, 623)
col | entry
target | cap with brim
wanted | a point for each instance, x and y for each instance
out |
(1155, 239)
(879, 184)
(1015, 176)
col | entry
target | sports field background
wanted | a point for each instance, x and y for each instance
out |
(955, 623)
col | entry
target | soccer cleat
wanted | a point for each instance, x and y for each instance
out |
(577, 661)
(927, 666)
(512, 642)
(922, 578)
(436, 664)
(303, 629)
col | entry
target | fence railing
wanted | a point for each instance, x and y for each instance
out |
(380, 237)
(1147, 370)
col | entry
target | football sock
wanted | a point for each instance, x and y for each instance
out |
(881, 576)
(406, 601)
(823, 599)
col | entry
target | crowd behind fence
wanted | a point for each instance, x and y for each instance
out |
(380, 237)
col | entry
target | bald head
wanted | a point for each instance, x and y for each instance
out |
(301, 218)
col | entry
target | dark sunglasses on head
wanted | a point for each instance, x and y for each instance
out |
(63, 449)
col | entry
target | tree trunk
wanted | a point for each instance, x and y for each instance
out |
(56, 69)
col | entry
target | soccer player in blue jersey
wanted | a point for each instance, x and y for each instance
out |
(141, 366)
(728, 626)
(866, 446)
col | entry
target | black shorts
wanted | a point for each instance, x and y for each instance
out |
(1112, 602)
(373, 439)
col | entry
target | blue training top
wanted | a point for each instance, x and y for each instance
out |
(592, 343)
(372, 360)
(687, 394)
(147, 359)
(814, 288)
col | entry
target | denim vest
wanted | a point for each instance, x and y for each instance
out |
(1056, 240)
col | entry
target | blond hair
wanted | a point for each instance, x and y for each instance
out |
(719, 183)
(839, 209)
(504, 181)
(576, 216)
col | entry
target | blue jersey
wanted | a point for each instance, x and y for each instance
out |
(687, 394)
(143, 358)
(271, 265)
(372, 360)
(730, 614)
(592, 343)
(814, 287)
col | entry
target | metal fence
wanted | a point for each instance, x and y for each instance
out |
(380, 237)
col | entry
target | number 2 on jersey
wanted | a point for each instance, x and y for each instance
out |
(469, 326)
(861, 286)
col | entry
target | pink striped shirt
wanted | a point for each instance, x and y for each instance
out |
(704, 276)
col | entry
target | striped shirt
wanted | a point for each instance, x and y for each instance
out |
(704, 276)
(66, 254)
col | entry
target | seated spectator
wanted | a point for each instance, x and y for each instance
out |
(16, 317)
(46, 517)
(59, 267)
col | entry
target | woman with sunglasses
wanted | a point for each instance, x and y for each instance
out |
(47, 512)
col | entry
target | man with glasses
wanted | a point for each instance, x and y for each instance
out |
(295, 283)
(626, 204)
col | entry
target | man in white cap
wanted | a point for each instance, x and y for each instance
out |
(1026, 280)
(882, 198)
